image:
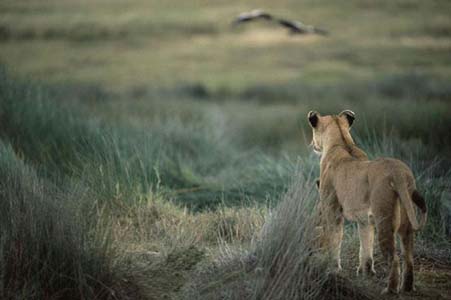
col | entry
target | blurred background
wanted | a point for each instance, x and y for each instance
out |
(136, 62)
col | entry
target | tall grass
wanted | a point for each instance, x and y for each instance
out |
(48, 249)
(285, 252)
(194, 163)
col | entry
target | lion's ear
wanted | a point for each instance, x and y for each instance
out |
(350, 116)
(313, 118)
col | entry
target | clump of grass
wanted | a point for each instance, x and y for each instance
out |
(285, 251)
(48, 249)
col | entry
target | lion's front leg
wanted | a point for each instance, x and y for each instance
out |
(336, 240)
(331, 231)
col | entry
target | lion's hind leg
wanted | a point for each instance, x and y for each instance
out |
(386, 237)
(407, 235)
(387, 217)
(366, 235)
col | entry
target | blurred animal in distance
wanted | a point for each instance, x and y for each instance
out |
(294, 27)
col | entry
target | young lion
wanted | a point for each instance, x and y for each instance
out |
(377, 193)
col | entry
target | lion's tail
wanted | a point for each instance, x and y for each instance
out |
(419, 201)
(400, 186)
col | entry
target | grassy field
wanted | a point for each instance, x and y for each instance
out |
(148, 150)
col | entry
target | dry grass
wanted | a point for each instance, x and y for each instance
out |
(158, 225)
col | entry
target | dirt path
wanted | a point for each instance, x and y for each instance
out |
(432, 273)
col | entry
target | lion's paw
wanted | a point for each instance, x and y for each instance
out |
(365, 271)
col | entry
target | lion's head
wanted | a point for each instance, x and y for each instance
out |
(327, 127)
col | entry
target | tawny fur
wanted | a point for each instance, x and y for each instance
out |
(374, 193)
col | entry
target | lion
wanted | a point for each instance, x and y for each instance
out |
(376, 193)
